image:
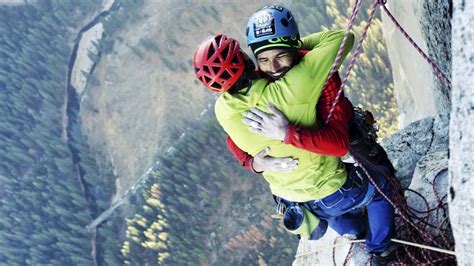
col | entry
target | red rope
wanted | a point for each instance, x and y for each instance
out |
(349, 255)
(353, 57)
(334, 252)
(412, 226)
(438, 71)
(355, 10)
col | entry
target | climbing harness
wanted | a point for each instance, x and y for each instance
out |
(363, 133)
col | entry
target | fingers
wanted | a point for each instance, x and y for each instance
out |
(256, 130)
(292, 164)
(251, 123)
(268, 163)
(254, 126)
(263, 152)
(258, 115)
(283, 161)
(253, 116)
(257, 112)
(286, 166)
(283, 170)
(271, 106)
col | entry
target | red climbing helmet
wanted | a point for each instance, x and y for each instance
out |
(218, 62)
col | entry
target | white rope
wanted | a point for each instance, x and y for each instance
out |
(445, 251)
(330, 247)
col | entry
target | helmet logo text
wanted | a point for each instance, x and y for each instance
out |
(264, 24)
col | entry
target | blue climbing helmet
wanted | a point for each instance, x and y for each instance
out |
(272, 27)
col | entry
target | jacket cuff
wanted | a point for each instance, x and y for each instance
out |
(291, 132)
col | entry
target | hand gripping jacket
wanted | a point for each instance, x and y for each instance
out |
(218, 63)
(272, 27)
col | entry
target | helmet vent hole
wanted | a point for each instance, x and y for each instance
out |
(206, 79)
(235, 60)
(225, 52)
(211, 51)
(226, 75)
(206, 68)
(216, 85)
(236, 70)
(196, 70)
(216, 69)
(284, 22)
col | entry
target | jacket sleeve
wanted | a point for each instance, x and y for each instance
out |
(328, 42)
(332, 139)
(244, 158)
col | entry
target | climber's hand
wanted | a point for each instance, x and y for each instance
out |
(273, 125)
(263, 162)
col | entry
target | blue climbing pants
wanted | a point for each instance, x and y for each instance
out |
(344, 209)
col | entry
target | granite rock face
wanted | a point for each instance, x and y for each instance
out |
(436, 27)
(419, 91)
(412, 76)
(406, 147)
(431, 182)
(461, 132)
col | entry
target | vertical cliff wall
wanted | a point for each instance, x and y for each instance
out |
(436, 25)
(461, 132)
(412, 77)
(419, 93)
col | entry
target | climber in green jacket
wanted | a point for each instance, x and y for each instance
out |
(319, 182)
(316, 176)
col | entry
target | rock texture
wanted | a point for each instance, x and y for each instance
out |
(407, 147)
(430, 180)
(461, 130)
(330, 250)
(436, 25)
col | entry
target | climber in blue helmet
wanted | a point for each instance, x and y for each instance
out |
(273, 36)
